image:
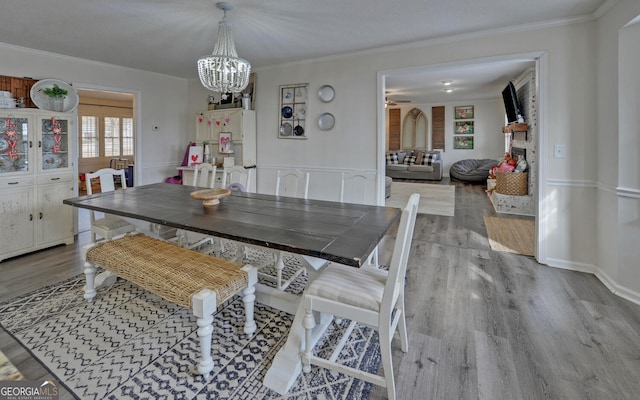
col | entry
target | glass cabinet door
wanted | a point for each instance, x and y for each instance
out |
(54, 144)
(14, 144)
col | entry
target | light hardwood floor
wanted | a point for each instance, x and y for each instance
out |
(483, 324)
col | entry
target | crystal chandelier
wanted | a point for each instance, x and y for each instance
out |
(223, 71)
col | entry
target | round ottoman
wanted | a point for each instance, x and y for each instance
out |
(387, 186)
(474, 171)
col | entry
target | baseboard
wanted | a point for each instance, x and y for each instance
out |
(606, 280)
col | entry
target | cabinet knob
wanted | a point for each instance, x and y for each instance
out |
(40, 215)
(30, 217)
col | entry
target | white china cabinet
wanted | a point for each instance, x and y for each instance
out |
(36, 174)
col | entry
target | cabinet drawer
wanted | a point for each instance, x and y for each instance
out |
(54, 178)
(10, 183)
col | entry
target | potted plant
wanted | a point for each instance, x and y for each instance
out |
(56, 95)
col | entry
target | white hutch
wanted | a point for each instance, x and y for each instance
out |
(36, 174)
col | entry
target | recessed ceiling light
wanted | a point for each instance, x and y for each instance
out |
(447, 83)
(448, 90)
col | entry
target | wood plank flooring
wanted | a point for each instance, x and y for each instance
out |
(483, 324)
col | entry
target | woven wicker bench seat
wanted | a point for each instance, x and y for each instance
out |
(185, 277)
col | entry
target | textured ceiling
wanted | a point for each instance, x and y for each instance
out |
(168, 36)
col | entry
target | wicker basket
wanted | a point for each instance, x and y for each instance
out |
(511, 183)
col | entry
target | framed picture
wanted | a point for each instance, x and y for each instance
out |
(463, 142)
(463, 128)
(463, 112)
(292, 114)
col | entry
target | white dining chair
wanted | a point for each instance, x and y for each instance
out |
(108, 226)
(238, 175)
(292, 183)
(368, 296)
(357, 187)
(204, 175)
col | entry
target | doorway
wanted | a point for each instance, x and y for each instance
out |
(473, 69)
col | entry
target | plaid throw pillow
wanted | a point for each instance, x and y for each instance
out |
(392, 158)
(409, 160)
(429, 158)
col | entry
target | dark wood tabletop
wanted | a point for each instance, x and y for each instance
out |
(340, 232)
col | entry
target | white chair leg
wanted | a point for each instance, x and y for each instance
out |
(279, 269)
(402, 327)
(308, 323)
(90, 275)
(387, 366)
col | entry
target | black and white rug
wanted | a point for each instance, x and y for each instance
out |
(131, 344)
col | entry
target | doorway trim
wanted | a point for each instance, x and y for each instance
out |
(137, 167)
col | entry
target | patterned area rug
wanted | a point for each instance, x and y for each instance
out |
(132, 344)
(434, 199)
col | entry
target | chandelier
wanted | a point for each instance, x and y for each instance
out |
(223, 71)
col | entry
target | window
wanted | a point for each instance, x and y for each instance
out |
(90, 144)
(106, 132)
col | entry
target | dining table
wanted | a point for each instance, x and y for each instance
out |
(318, 231)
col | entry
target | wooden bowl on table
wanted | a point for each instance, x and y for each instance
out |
(210, 197)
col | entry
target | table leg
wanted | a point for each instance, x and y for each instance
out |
(287, 364)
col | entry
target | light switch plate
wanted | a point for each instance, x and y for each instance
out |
(560, 151)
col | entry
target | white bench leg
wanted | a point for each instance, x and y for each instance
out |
(204, 305)
(90, 275)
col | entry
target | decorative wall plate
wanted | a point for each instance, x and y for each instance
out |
(41, 100)
(326, 121)
(326, 93)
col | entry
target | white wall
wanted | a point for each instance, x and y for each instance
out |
(161, 102)
(618, 139)
(488, 123)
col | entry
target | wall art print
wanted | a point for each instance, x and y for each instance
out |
(463, 112)
(463, 142)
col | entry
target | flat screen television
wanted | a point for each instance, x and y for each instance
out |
(511, 103)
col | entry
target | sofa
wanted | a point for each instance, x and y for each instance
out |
(414, 164)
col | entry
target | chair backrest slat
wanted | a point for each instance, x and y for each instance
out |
(355, 188)
(292, 183)
(400, 257)
(204, 175)
(106, 178)
(237, 174)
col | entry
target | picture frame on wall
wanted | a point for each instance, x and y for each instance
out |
(463, 142)
(463, 128)
(463, 112)
(292, 113)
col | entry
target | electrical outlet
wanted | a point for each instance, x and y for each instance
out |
(560, 151)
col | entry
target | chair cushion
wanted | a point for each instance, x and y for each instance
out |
(360, 287)
(111, 223)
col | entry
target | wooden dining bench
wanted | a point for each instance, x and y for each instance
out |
(184, 277)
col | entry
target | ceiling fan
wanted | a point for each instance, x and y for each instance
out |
(389, 102)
